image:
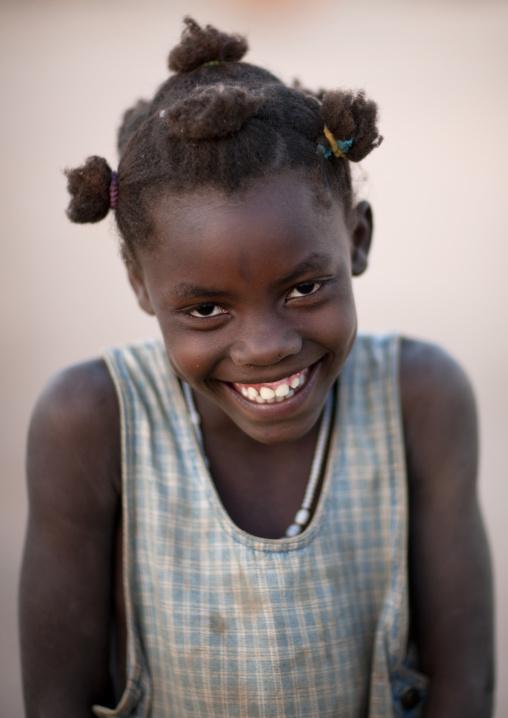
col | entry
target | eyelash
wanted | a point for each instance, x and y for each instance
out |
(315, 287)
(206, 316)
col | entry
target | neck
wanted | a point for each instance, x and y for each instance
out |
(269, 490)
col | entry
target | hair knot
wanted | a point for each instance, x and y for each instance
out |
(350, 115)
(89, 187)
(205, 45)
(215, 111)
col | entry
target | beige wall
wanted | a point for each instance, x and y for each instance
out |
(70, 67)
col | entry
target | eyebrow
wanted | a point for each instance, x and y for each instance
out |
(185, 290)
(314, 262)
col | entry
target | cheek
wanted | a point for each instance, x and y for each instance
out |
(192, 355)
(337, 326)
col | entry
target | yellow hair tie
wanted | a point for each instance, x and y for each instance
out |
(333, 144)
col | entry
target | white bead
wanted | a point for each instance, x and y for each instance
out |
(293, 530)
(302, 517)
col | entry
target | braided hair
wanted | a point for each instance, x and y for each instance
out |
(222, 123)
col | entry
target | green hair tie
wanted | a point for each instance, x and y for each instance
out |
(210, 63)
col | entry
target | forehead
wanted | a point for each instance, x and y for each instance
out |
(276, 222)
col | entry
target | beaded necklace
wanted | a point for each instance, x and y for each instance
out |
(303, 514)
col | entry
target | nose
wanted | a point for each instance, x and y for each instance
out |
(265, 342)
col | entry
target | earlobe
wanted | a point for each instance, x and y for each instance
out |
(361, 237)
(137, 282)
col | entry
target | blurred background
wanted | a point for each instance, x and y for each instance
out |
(438, 69)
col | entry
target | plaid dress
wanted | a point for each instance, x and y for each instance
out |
(225, 624)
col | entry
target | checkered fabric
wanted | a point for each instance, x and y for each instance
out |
(225, 624)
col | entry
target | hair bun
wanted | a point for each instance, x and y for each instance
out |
(200, 45)
(216, 111)
(89, 188)
(350, 114)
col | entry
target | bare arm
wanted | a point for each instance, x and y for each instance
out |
(67, 576)
(449, 563)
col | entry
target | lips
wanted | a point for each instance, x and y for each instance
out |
(275, 391)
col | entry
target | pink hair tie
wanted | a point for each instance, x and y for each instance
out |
(113, 190)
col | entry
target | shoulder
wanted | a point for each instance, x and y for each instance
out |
(78, 404)
(439, 415)
(450, 583)
(75, 433)
(432, 382)
(88, 384)
(67, 580)
(427, 365)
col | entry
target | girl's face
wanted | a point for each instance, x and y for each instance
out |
(254, 299)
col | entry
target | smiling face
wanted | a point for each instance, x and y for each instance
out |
(254, 299)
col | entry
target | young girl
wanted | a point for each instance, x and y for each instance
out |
(263, 514)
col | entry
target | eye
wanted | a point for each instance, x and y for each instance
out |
(303, 289)
(207, 310)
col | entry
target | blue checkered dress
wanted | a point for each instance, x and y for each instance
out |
(225, 624)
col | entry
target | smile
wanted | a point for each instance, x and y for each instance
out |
(275, 391)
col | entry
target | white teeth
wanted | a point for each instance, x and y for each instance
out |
(282, 390)
(266, 392)
(270, 396)
(260, 399)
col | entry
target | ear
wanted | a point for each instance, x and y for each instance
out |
(137, 282)
(361, 237)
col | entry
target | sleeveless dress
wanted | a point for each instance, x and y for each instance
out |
(224, 624)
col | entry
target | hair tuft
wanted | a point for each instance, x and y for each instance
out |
(89, 186)
(200, 45)
(349, 113)
(215, 111)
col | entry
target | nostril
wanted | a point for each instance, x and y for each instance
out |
(265, 349)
